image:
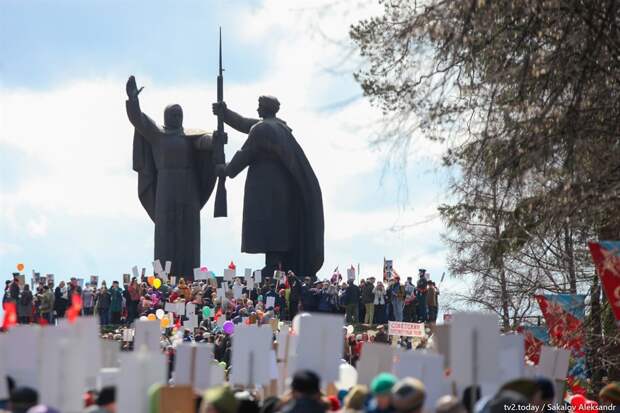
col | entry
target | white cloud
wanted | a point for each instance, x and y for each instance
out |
(79, 135)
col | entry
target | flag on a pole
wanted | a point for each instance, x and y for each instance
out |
(606, 257)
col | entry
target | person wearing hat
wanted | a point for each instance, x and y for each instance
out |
(408, 396)
(381, 389)
(381, 336)
(355, 400)
(219, 399)
(306, 394)
(106, 401)
(610, 395)
(397, 295)
(449, 404)
(22, 399)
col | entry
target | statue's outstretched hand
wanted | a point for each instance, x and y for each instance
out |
(132, 88)
(219, 108)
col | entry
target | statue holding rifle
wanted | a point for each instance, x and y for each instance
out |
(283, 205)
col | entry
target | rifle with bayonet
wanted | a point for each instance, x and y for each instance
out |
(220, 208)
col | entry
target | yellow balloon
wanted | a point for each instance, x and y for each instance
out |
(156, 283)
(151, 317)
(165, 322)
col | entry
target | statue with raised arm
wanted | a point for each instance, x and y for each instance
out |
(176, 176)
(282, 205)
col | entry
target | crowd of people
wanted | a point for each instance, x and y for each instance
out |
(371, 302)
(276, 299)
(385, 394)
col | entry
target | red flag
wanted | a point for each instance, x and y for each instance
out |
(606, 257)
(76, 307)
(10, 316)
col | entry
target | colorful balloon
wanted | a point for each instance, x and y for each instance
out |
(228, 327)
(206, 312)
(20, 267)
(156, 283)
(165, 322)
(159, 313)
(151, 317)
(150, 280)
(143, 318)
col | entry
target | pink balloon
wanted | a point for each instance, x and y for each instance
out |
(228, 327)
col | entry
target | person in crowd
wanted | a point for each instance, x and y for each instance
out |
(295, 294)
(308, 299)
(421, 290)
(306, 394)
(88, 299)
(381, 336)
(547, 389)
(380, 316)
(22, 399)
(7, 295)
(610, 396)
(381, 390)
(133, 300)
(351, 300)
(449, 404)
(324, 298)
(355, 400)
(61, 299)
(220, 399)
(73, 288)
(105, 402)
(46, 305)
(368, 299)
(408, 396)
(271, 293)
(432, 301)
(409, 308)
(14, 289)
(397, 296)
(103, 304)
(116, 303)
(183, 290)
(471, 395)
(24, 307)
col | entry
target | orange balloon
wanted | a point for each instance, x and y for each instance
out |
(151, 317)
(20, 267)
(165, 322)
(150, 280)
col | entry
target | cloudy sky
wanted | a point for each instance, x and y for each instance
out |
(68, 195)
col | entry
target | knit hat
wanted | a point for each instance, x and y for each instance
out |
(356, 397)
(222, 398)
(408, 395)
(610, 393)
(383, 383)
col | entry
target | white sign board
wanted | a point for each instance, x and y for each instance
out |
(318, 346)
(397, 328)
(250, 366)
